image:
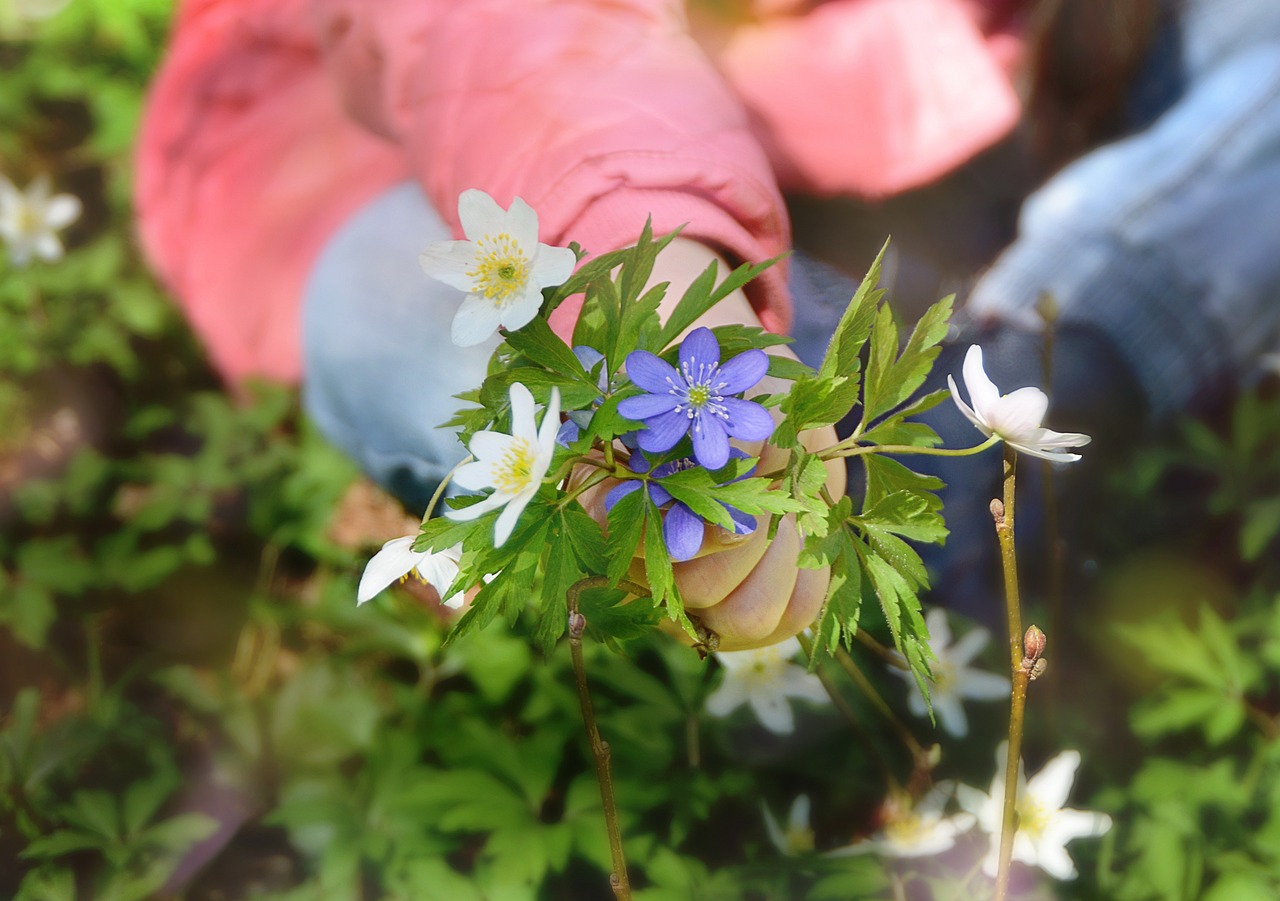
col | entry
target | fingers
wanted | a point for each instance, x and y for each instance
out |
(707, 580)
(753, 610)
(802, 609)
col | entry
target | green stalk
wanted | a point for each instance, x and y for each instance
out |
(857, 450)
(618, 880)
(1003, 515)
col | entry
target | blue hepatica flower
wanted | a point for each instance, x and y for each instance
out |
(697, 399)
(682, 529)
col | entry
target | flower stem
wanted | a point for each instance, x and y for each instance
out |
(843, 449)
(919, 756)
(618, 880)
(1003, 515)
(851, 717)
(444, 483)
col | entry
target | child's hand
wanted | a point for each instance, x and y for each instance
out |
(746, 589)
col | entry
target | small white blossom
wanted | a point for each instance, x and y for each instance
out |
(1045, 827)
(29, 220)
(501, 266)
(512, 465)
(765, 680)
(953, 679)
(1014, 418)
(921, 829)
(798, 837)
(398, 560)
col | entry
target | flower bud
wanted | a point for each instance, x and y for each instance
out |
(577, 625)
(1033, 643)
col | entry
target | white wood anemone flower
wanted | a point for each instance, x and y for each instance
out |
(764, 679)
(1013, 418)
(30, 220)
(500, 265)
(512, 465)
(954, 681)
(1045, 826)
(919, 829)
(797, 838)
(398, 560)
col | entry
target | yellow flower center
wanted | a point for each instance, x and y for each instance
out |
(799, 840)
(512, 473)
(502, 269)
(30, 221)
(904, 827)
(1032, 818)
(699, 395)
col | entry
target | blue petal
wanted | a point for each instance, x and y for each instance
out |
(710, 443)
(588, 356)
(682, 531)
(743, 371)
(651, 373)
(663, 432)
(743, 523)
(569, 432)
(646, 406)
(619, 491)
(658, 494)
(699, 348)
(747, 420)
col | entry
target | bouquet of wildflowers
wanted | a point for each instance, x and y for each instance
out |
(643, 413)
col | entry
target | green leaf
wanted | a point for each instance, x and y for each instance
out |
(843, 356)
(543, 346)
(907, 374)
(626, 528)
(907, 513)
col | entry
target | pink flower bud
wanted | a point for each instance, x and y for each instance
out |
(1033, 643)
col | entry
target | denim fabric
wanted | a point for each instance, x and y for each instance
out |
(1166, 241)
(380, 367)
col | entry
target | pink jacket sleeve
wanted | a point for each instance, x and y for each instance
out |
(596, 113)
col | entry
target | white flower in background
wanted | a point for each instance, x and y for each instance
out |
(798, 837)
(922, 829)
(1045, 827)
(29, 220)
(765, 680)
(501, 266)
(954, 680)
(1014, 418)
(512, 465)
(398, 560)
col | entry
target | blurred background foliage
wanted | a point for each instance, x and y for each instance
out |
(191, 705)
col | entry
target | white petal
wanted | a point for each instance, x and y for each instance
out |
(969, 414)
(1068, 824)
(1047, 438)
(522, 422)
(731, 695)
(395, 559)
(1055, 861)
(466, 514)
(519, 311)
(440, 569)
(47, 246)
(62, 211)
(797, 682)
(773, 712)
(982, 391)
(951, 715)
(799, 818)
(1015, 415)
(39, 190)
(1053, 456)
(1051, 786)
(507, 518)
(479, 214)
(547, 434)
(521, 223)
(966, 648)
(475, 476)
(977, 685)
(450, 262)
(487, 447)
(475, 322)
(774, 830)
(552, 266)
(10, 196)
(939, 629)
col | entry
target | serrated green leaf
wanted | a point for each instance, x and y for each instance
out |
(626, 527)
(843, 356)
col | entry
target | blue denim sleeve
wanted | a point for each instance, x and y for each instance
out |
(1166, 241)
